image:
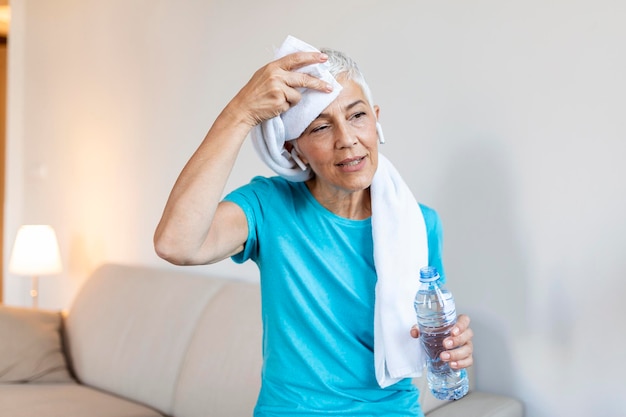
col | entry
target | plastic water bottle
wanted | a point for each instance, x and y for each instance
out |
(436, 315)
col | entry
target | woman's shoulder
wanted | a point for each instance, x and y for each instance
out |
(429, 213)
(262, 188)
(274, 181)
(432, 221)
(271, 185)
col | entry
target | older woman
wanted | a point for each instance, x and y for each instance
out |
(313, 233)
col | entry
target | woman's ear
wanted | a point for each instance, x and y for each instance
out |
(379, 129)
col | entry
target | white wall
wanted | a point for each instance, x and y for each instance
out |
(507, 117)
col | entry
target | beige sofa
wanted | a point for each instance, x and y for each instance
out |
(145, 342)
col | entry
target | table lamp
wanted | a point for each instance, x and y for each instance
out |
(35, 253)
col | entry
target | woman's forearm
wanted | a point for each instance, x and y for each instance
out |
(184, 226)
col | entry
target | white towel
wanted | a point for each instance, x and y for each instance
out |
(270, 136)
(400, 250)
(398, 228)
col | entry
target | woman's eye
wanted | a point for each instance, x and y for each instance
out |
(318, 128)
(359, 115)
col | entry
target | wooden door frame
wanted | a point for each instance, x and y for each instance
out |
(3, 108)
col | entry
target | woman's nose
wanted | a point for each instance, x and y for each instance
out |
(344, 136)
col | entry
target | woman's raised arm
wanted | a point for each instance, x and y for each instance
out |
(195, 227)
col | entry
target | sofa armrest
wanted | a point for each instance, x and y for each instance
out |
(480, 404)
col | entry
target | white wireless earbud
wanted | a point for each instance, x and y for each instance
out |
(379, 130)
(297, 159)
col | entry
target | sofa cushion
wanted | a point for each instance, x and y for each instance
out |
(483, 404)
(66, 400)
(31, 348)
(221, 375)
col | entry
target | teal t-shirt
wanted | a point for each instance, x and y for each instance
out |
(317, 288)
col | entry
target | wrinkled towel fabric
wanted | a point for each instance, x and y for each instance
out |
(269, 137)
(398, 228)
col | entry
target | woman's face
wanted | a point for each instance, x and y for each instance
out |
(341, 144)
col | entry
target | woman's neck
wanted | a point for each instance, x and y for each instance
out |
(354, 205)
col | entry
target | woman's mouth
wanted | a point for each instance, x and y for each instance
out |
(352, 164)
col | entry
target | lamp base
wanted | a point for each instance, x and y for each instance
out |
(34, 291)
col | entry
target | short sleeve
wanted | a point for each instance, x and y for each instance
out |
(435, 240)
(248, 198)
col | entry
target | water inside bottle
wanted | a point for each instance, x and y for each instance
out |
(432, 340)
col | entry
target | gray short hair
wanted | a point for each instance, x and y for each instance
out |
(340, 64)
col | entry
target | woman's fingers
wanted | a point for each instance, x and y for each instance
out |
(274, 88)
(460, 333)
(459, 347)
(459, 344)
(460, 357)
(298, 60)
(294, 79)
(458, 339)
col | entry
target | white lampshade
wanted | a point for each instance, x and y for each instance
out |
(35, 252)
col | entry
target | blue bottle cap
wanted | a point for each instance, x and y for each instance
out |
(429, 274)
